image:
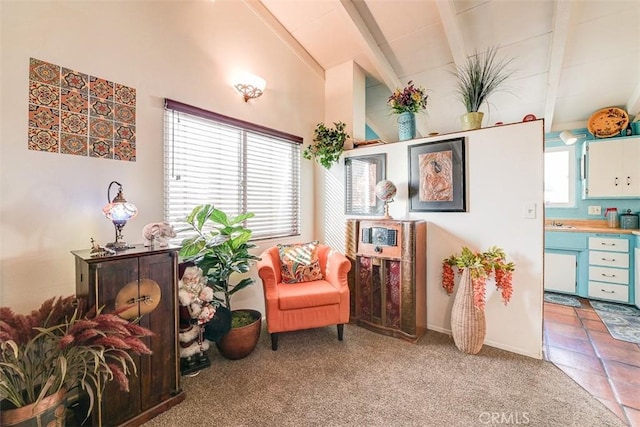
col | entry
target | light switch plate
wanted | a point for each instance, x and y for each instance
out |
(530, 211)
(595, 210)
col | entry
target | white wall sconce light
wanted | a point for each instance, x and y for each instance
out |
(119, 211)
(568, 137)
(250, 86)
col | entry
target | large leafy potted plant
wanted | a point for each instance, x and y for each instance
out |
(468, 325)
(480, 76)
(59, 347)
(329, 144)
(220, 247)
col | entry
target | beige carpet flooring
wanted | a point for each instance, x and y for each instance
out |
(373, 380)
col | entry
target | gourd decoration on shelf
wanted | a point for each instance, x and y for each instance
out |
(329, 144)
(406, 103)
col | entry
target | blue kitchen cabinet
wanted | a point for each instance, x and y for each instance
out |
(603, 265)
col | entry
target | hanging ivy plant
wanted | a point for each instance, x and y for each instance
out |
(329, 144)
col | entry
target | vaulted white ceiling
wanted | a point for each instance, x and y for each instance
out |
(571, 57)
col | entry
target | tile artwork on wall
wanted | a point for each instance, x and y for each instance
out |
(75, 113)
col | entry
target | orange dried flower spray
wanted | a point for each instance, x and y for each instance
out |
(481, 266)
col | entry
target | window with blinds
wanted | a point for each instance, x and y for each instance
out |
(238, 166)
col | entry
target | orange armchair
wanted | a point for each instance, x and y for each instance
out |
(306, 305)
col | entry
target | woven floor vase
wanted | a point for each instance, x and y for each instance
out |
(468, 325)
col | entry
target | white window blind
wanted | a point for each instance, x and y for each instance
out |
(237, 166)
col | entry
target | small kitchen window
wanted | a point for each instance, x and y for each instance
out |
(560, 177)
(362, 173)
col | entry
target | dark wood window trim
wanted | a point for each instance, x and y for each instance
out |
(189, 109)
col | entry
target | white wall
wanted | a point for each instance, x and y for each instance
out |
(504, 170)
(51, 204)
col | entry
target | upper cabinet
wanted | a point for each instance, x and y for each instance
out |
(612, 168)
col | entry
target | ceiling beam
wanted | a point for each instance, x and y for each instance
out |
(452, 31)
(559, 41)
(380, 131)
(375, 55)
(281, 32)
(366, 40)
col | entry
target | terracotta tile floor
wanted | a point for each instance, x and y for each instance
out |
(576, 341)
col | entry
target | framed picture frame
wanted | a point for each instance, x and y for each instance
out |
(362, 173)
(437, 181)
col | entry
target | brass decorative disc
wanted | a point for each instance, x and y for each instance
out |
(142, 297)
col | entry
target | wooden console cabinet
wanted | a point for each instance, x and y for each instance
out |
(388, 288)
(100, 280)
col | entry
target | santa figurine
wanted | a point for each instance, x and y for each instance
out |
(197, 308)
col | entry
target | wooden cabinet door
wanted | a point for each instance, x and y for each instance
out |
(604, 171)
(631, 168)
(112, 276)
(613, 169)
(560, 272)
(378, 296)
(158, 374)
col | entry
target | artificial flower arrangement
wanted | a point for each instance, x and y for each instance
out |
(481, 266)
(61, 346)
(411, 99)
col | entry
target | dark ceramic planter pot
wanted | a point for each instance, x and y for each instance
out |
(240, 342)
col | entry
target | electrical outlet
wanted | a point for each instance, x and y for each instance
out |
(595, 210)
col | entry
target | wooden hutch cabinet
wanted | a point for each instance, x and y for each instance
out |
(145, 279)
(388, 287)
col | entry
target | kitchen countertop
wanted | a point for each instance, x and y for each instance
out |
(585, 226)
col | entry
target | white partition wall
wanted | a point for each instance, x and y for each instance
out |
(504, 186)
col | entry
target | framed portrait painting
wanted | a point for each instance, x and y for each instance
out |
(437, 176)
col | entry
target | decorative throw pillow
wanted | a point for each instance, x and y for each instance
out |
(300, 262)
